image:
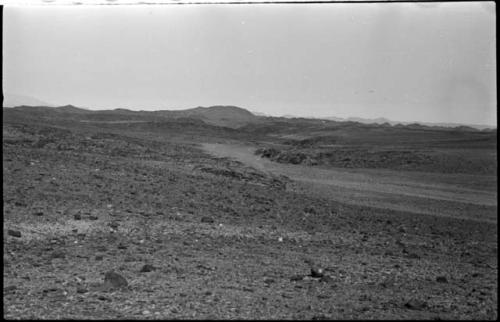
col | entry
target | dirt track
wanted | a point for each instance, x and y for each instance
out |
(435, 194)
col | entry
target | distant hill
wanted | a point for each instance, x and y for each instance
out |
(383, 120)
(228, 116)
(11, 100)
(378, 120)
(259, 113)
(72, 109)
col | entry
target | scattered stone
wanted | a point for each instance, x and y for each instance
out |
(441, 279)
(52, 289)
(309, 261)
(14, 233)
(129, 259)
(415, 304)
(77, 217)
(81, 290)
(114, 280)
(269, 281)
(320, 317)
(327, 279)
(101, 248)
(145, 312)
(413, 255)
(310, 210)
(208, 268)
(207, 220)
(387, 283)
(317, 272)
(10, 288)
(147, 268)
(58, 254)
(296, 278)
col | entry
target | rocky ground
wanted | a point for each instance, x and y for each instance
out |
(122, 225)
(437, 160)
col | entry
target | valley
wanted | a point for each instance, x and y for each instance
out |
(202, 226)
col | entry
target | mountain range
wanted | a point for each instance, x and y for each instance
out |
(383, 120)
(226, 116)
(12, 100)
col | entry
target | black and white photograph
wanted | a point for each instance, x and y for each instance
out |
(253, 160)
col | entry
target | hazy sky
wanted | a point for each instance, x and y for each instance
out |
(409, 62)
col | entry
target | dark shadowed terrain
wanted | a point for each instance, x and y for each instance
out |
(215, 213)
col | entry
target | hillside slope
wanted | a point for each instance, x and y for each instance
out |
(228, 116)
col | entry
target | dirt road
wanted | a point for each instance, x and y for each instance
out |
(454, 195)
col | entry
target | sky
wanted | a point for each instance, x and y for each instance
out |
(428, 62)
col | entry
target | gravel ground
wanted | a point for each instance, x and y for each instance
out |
(201, 237)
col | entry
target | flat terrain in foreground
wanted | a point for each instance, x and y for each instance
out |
(231, 235)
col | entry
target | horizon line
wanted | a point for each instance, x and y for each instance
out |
(327, 118)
